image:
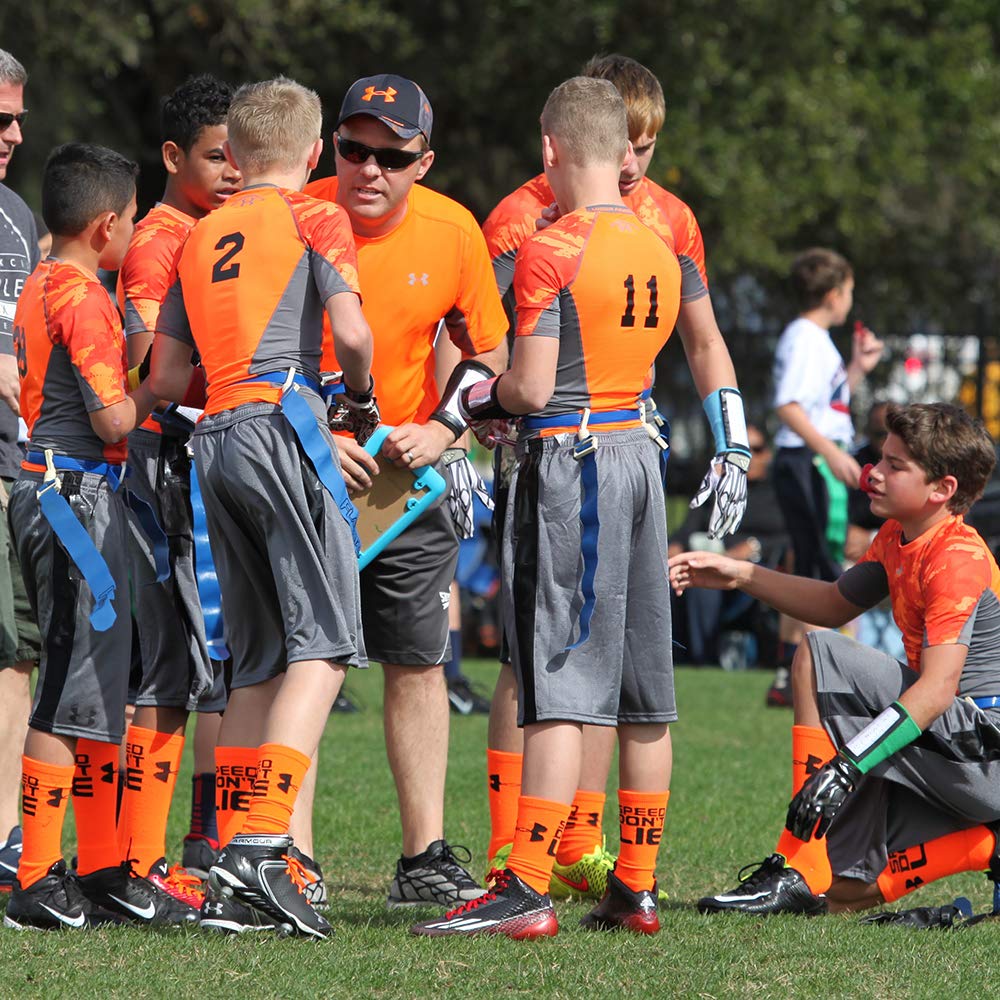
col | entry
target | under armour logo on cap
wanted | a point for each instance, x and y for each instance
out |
(411, 111)
(388, 95)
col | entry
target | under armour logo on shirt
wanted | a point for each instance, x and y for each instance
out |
(423, 279)
(445, 596)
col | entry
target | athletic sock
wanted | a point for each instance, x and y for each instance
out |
(235, 770)
(811, 749)
(280, 773)
(503, 771)
(95, 798)
(540, 824)
(45, 790)
(203, 821)
(152, 760)
(963, 851)
(641, 816)
(583, 828)
(453, 665)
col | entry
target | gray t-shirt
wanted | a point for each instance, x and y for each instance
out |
(18, 257)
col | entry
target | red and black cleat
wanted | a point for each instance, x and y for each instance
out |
(624, 909)
(510, 907)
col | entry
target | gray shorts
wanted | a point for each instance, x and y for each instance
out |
(176, 669)
(19, 638)
(406, 590)
(288, 571)
(946, 780)
(624, 672)
(83, 673)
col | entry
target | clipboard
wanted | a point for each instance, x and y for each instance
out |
(396, 499)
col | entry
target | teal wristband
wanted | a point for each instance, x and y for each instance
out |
(724, 409)
(891, 730)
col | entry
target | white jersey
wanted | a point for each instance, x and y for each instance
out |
(809, 370)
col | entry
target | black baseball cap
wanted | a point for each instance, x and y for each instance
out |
(393, 100)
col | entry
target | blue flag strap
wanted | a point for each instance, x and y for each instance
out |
(205, 575)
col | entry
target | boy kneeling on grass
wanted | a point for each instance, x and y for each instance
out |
(895, 766)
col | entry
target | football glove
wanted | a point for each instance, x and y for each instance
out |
(465, 484)
(819, 800)
(347, 410)
(729, 486)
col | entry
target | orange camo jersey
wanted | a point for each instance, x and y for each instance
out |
(252, 281)
(433, 266)
(513, 221)
(71, 360)
(609, 289)
(148, 270)
(944, 587)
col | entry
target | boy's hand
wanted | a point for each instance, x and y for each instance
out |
(356, 464)
(548, 216)
(707, 569)
(866, 348)
(819, 800)
(727, 479)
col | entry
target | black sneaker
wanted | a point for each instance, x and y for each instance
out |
(624, 909)
(258, 870)
(54, 902)
(464, 700)
(314, 888)
(199, 854)
(434, 878)
(769, 888)
(10, 858)
(122, 892)
(509, 907)
(227, 915)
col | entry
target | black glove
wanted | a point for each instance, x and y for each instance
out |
(812, 811)
(354, 412)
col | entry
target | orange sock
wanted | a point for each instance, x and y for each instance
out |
(504, 773)
(962, 851)
(95, 801)
(540, 824)
(235, 770)
(811, 749)
(583, 828)
(44, 793)
(641, 816)
(280, 773)
(152, 760)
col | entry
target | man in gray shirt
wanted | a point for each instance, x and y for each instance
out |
(18, 633)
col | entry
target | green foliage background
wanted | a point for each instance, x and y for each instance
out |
(872, 126)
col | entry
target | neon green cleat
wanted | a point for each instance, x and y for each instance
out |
(499, 860)
(584, 879)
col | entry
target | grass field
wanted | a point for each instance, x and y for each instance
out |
(729, 792)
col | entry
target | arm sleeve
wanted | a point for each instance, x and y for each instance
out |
(146, 275)
(172, 320)
(92, 336)
(537, 284)
(953, 582)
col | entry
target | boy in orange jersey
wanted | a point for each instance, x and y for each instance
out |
(69, 524)
(895, 773)
(177, 674)
(583, 863)
(597, 294)
(422, 260)
(254, 279)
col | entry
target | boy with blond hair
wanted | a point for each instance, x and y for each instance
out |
(254, 279)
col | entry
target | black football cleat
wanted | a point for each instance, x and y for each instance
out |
(769, 888)
(624, 909)
(258, 870)
(509, 907)
(54, 902)
(119, 891)
(227, 915)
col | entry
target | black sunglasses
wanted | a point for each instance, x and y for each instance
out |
(385, 156)
(7, 118)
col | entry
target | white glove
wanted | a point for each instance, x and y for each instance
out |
(466, 482)
(730, 489)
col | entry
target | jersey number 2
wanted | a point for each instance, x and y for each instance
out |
(628, 318)
(223, 269)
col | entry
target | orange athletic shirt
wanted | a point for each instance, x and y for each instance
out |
(513, 221)
(944, 587)
(252, 281)
(71, 360)
(433, 266)
(148, 270)
(609, 289)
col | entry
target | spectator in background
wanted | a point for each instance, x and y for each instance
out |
(813, 467)
(702, 615)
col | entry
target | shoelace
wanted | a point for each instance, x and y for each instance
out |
(758, 872)
(450, 858)
(186, 885)
(297, 871)
(496, 881)
(601, 855)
